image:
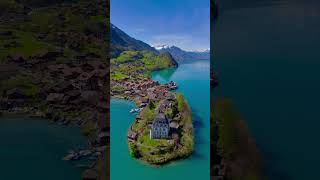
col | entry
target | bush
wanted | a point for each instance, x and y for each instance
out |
(134, 151)
(152, 105)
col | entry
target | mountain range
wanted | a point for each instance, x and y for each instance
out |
(120, 41)
(180, 54)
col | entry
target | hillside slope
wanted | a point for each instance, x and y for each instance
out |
(120, 41)
(134, 58)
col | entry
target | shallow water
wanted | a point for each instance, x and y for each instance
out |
(193, 80)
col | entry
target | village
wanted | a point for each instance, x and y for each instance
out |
(78, 86)
(142, 90)
(162, 119)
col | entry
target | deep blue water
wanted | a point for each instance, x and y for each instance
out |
(267, 56)
(34, 148)
(193, 80)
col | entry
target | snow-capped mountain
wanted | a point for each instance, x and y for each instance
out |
(202, 50)
(180, 54)
(160, 47)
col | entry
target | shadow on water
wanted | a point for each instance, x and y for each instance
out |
(270, 160)
(197, 155)
(197, 122)
(197, 125)
(166, 74)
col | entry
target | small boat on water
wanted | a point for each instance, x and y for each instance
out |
(172, 85)
(136, 110)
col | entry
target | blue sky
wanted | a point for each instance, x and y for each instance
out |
(184, 23)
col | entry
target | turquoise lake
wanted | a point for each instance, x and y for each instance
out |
(193, 80)
(268, 60)
(34, 148)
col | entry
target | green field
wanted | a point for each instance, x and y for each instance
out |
(138, 64)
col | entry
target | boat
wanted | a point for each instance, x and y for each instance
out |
(172, 85)
(136, 110)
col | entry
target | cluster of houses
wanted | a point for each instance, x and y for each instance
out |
(146, 88)
(130, 84)
(142, 84)
(92, 77)
(159, 93)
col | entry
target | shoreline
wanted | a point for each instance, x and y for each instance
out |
(90, 152)
(173, 155)
(180, 156)
(132, 143)
(228, 152)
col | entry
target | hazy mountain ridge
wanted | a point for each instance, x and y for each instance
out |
(179, 54)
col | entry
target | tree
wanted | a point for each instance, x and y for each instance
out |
(134, 151)
(152, 105)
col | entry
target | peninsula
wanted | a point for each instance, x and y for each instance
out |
(162, 130)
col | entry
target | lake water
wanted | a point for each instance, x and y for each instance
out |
(193, 80)
(267, 56)
(34, 148)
